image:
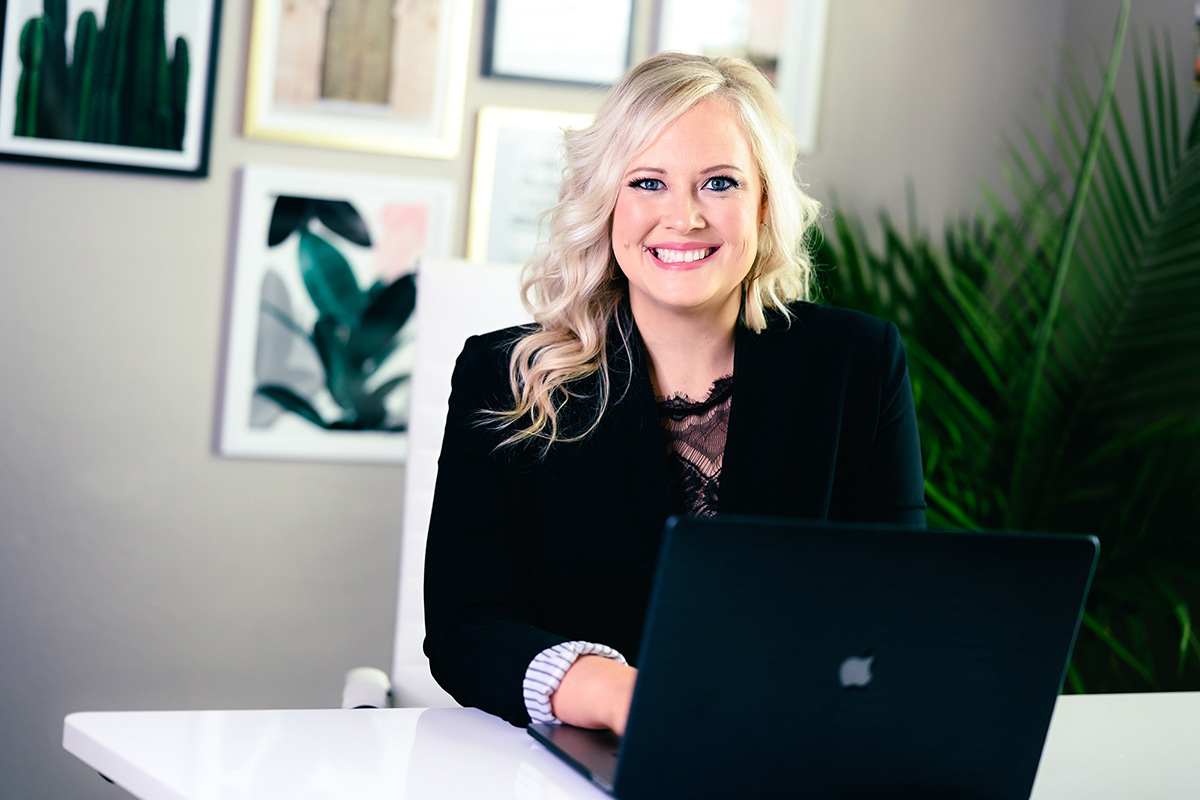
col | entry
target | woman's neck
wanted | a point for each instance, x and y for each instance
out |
(687, 352)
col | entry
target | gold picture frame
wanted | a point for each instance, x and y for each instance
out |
(518, 163)
(388, 78)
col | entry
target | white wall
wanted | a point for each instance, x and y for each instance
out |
(138, 570)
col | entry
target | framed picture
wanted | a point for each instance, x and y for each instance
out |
(319, 350)
(571, 41)
(111, 83)
(374, 75)
(784, 38)
(518, 164)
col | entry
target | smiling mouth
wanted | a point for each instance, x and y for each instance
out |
(682, 256)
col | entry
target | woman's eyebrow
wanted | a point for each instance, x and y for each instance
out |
(706, 171)
(655, 170)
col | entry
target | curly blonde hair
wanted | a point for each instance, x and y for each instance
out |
(573, 286)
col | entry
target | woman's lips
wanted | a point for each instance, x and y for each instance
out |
(682, 257)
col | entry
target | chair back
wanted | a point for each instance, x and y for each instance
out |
(455, 300)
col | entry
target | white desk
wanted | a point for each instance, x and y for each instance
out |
(1100, 747)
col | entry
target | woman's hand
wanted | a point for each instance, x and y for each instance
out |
(595, 693)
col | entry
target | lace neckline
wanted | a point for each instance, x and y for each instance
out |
(695, 433)
(681, 405)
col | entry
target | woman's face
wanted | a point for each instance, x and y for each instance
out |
(685, 226)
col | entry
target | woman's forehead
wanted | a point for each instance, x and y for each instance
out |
(709, 131)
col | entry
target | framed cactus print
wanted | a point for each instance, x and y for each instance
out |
(115, 83)
(321, 328)
(373, 75)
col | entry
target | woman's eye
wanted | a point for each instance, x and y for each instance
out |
(650, 184)
(721, 183)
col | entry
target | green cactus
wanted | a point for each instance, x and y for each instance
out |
(180, 68)
(119, 88)
(93, 129)
(138, 92)
(53, 120)
(83, 69)
(31, 70)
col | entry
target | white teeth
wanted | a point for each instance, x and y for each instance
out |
(682, 256)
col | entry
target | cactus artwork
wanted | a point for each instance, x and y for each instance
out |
(121, 84)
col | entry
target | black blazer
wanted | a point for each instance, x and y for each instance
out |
(525, 552)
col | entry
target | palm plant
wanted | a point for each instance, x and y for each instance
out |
(1055, 355)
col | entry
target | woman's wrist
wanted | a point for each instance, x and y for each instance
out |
(595, 693)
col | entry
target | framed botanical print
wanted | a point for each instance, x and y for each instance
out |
(125, 84)
(321, 329)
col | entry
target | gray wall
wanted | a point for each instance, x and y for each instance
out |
(138, 570)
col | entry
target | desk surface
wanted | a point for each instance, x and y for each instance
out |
(1099, 747)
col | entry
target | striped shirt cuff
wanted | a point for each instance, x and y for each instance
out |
(546, 672)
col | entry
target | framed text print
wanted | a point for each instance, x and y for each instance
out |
(375, 75)
(114, 83)
(572, 41)
(321, 330)
(518, 164)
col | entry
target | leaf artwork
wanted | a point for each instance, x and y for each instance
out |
(1054, 350)
(118, 87)
(354, 334)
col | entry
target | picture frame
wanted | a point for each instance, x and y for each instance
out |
(132, 89)
(518, 165)
(542, 40)
(784, 38)
(387, 81)
(321, 327)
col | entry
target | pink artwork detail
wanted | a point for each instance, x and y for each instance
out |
(404, 231)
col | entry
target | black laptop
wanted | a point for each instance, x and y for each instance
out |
(791, 659)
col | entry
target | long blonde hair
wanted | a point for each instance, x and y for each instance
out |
(573, 286)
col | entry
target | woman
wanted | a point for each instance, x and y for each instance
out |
(674, 367)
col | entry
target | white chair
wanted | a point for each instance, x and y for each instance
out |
(455, 299)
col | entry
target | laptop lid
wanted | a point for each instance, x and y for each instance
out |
(784, 659)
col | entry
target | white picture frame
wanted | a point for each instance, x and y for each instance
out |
(518, 165)
(785, 38)
(282, 349)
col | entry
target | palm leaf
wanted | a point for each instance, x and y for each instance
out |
(1055, 354)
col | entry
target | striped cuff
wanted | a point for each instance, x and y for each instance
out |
(546, 672)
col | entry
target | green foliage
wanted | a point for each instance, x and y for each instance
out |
(28, 89)
(83, 69)
(119, 87)
(177, 91)
(1054, 350)
(355, 330)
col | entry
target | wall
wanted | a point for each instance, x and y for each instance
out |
(138, 570)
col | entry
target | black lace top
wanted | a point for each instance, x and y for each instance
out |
(695, 434)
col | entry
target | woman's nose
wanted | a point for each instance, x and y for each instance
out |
(683, 212)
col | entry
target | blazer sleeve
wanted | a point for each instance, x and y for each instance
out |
(480, 602)
(894, 486)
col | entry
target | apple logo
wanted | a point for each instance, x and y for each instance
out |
(856, 671)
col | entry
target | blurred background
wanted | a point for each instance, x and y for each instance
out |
(140, 570)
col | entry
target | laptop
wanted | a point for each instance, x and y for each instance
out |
(790, 659)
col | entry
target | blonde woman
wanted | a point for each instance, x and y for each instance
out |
(676, 366)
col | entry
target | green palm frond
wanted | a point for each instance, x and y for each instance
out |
(1054, 348)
